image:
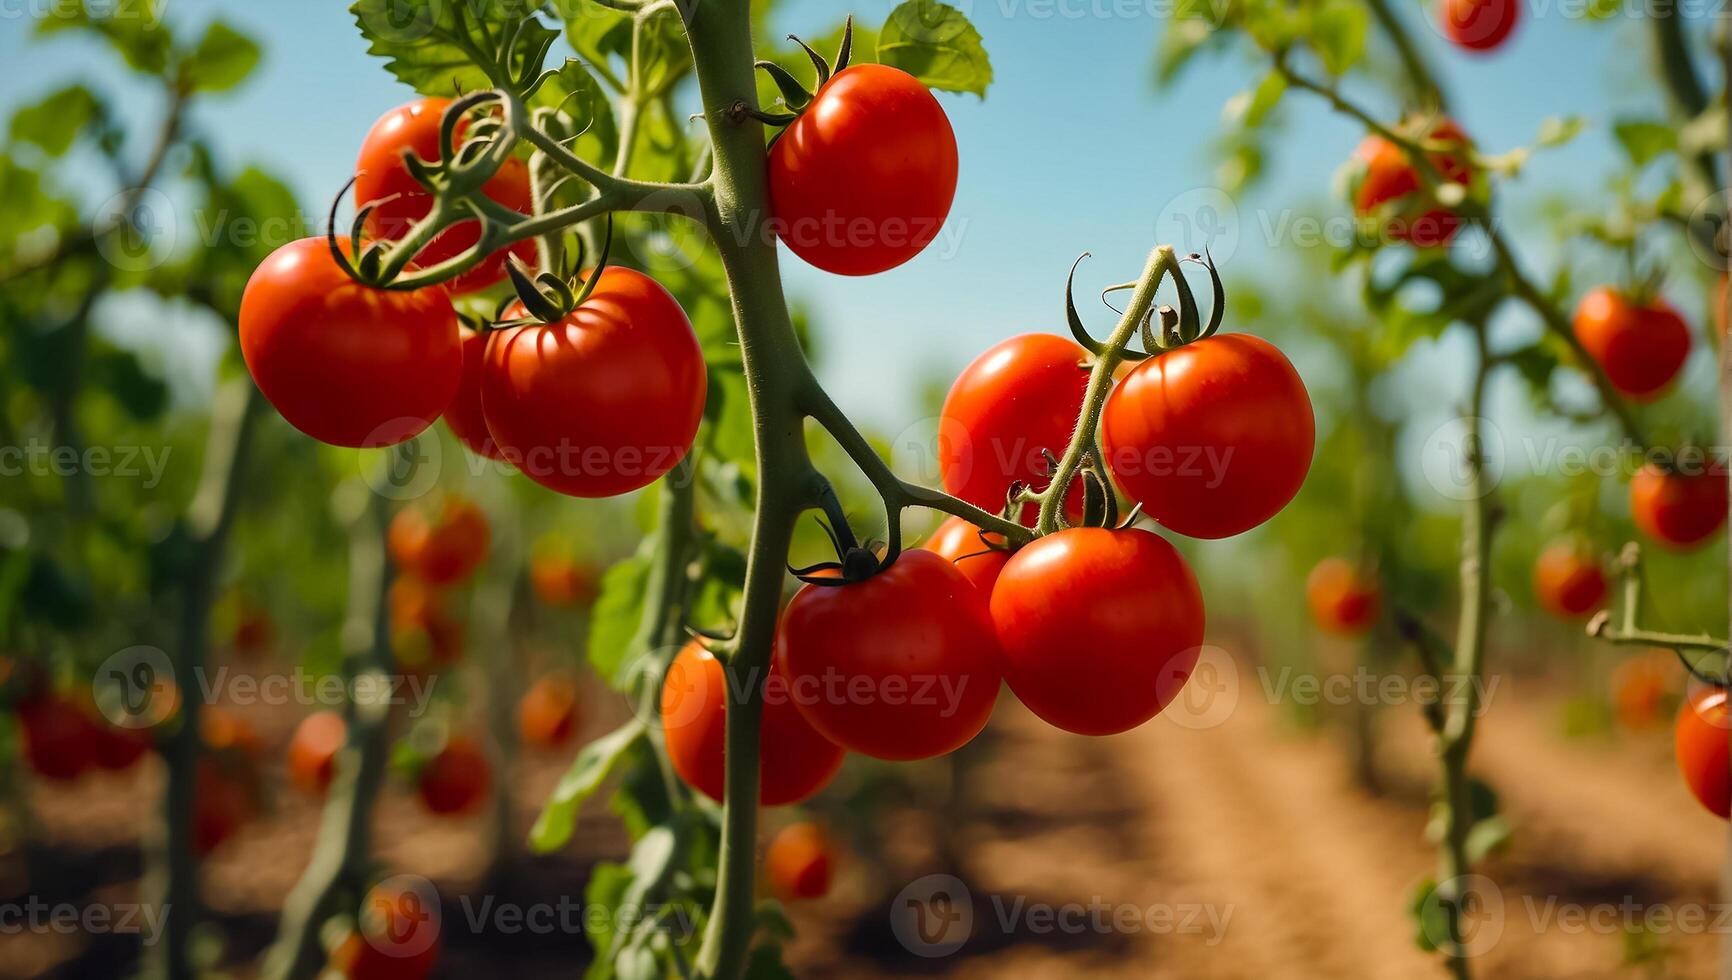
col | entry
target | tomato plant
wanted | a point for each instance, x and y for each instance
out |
(1390, 184)
(1341, 597)
(978, 555)
(441, 549)
(547, 714)
(796, 761)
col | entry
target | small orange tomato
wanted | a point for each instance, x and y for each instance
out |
(559, 581)
(547, 713)
(313, 751)
(797, 862)
(1568, 580)
(1343, 600)
(1700, 742)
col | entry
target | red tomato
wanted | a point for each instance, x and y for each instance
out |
(254, 631)
(1479, 25)
(547, 712)
(1100, 628)
(119, 748)
(313, 751)
(60, 740)
(1640, 347)
(1640, 687)
(797, 862)
(344, 363)
(958, 542)
(1389, 177)
(1679, 510)
(862, 181)
(795, 761)
(383, 180)
(900, 666)
(603, 402)
(226, 733)
(397, 939)
(1016, 399)
(1700, 743)
(463, 416)
(1342, 600)
(1212, 439)
(1568, 580)
(444, 550)
(456, 780)
(559, 581)
(223, 805)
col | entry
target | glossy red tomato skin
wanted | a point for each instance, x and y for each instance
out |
(1640, 347)
(1343, 601)
(958, 542)
(900, 666)
(1699, 741)
(795, 761)
(603, 402)
(861, 182)
(1100, 628)
(1568, 580)
(1679, 510)
(1213, 438)
(1479, 25)
(1388, 176)
(463, 416)
(344, 363)
(399, 201)
(1017, 398)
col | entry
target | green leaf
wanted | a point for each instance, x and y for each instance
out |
(1643, 139)
(935, 43)
(1338, 32)
(765, 963)
(1181, 38)
(436, 47)
(1487, 836)
(618, 610)
(607, 884)
(591, 767)
(118, 372)
(223, 59)
(58, 120)
(1250, 107)
(134, 29)
(1430, 919)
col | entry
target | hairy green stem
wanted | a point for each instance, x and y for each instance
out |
(1161, 261)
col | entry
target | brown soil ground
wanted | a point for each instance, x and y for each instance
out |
(1239, 850)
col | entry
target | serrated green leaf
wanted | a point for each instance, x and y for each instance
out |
(587, 772)
(437, 47)
(935, 43)
(223, 58)
(55, 122)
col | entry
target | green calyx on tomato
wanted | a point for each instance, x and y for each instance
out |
(1178, 327)
(855, 562)
(550, 298)
(795, 94)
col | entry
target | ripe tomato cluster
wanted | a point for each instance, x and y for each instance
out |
(597, 401)
(1389, 186)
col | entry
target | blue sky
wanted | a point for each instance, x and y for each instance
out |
(1072, 149)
